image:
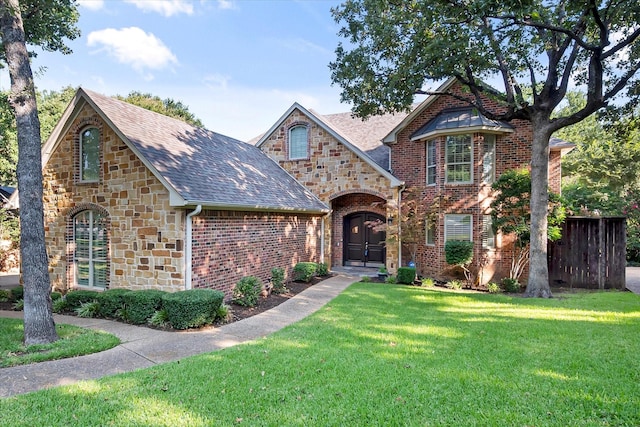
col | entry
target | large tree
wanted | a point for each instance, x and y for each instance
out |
(394, 47)
(44, 23)
(168, 106)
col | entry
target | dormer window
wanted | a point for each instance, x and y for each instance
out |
(90, 155)
(298, 143)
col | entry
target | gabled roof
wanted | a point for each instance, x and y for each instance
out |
(332, 126)
(459, 120)
(197, 166)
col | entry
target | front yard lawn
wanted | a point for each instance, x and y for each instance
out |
(74, 341)
(388, 355)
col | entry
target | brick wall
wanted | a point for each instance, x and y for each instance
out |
(145, 233)
(230, 245)
(331, 171)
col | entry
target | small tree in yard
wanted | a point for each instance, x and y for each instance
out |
(511, 214)
(460, 253)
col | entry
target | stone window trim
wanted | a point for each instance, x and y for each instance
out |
(290, 128)
(77, 130)
(70, 242)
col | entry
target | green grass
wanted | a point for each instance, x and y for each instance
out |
(74, 341)
(388, 355)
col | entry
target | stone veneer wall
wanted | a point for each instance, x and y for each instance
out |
(145, 233)
(408, 161)
(331, 170)
(230, 245)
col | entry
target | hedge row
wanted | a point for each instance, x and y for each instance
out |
(305, 271)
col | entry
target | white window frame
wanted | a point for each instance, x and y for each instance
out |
(295, 154)
(448, 140)
(83, 167)
(488, 236)
(489, 159)
(457, 220)
(91, 259)
(431, 161)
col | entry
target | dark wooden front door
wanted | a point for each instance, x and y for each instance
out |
(362, 243)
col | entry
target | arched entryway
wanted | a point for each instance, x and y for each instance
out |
(363, 245)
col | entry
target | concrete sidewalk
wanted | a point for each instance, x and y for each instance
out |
(142, 347)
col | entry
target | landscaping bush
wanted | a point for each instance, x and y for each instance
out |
(18, 305)
(454, 284)
(391, 280)
(88, 309)
(55, 296)
(60, 305)
(76, 298)
(277, 280)
(247, 291)
(510, 285)
(159, 319)
(322, 269)
(111, 301)
(192, 308)
(406, 275)
(427, 282)
(141, 305)
(458, 252)
(5, 295)
(304, 271)
(17, 293)
(493, 288)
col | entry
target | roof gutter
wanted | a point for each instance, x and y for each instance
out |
(188, 247)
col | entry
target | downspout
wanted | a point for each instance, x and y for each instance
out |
(400, 190)
(188, 249)
(322, 240)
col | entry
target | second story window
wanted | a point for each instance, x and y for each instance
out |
(90, 155)
(489, 159)
(431, 162)
(298, 143)
(458, 159)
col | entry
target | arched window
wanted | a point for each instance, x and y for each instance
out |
(298, 143)
(90, 257)
(90, 155)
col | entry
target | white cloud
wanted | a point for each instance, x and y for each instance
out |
(225, 4)
(91, 4)
(164, 7)
(134, 47)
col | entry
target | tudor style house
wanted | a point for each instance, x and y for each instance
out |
(444, 149)
(139, 200)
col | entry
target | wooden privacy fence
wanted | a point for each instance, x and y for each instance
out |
(591, 253)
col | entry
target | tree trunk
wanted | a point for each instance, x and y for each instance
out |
(538, 284)
(39, 327)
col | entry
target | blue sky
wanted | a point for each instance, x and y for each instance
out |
(237, 64)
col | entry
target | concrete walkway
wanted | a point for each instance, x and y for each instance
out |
(142, 347)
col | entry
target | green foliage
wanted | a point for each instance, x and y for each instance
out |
(247, 291)
(51, 106)
(55, 296)
(304, 271)
(406, 275)
(159, 319)
(9, 226)
(111, 301)
(77, 298)
(17, 293)
(167, 107)
(458, 252)
(5, 295)
(454, 284)
(391, 280)
(493, 288)
(18, 305)
(88, 309)
(223, 314)
(277, 280)
(60, 305)
(192, 308)
(322, 269)
(511, 285)
(141, 305)
(427, 282)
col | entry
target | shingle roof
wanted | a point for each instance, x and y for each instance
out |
(204, 167)
(459, 119)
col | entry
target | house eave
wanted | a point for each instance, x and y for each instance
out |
(459, 131)
(210, 205)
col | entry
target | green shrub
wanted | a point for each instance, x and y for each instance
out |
(88, 309)
(322, 269)
(510, 285)
(247, 291)
(454, 284)
(458, 252)
(76, 298)
(391, 280)
(18, 305)
(55, 296)
(427, 282)
(5, 295)
(493, 288)
(141, 305)
(406, 275)
(192, 308)
(111, 301)
(304, 271)
(17, 293)
(277, 280)
(223, 314)
(159, 319)
(60, 305)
